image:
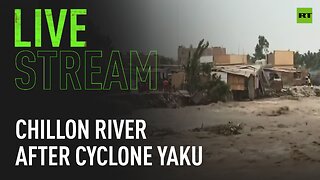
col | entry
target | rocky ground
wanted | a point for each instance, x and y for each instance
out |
(274, 138)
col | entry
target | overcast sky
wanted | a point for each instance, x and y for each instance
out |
(234, 24)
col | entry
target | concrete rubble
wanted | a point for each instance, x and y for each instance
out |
(301, 91)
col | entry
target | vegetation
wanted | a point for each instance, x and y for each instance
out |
(193, 67)
(215, 89)
(309, 60)
(206, 68)
(261, 49)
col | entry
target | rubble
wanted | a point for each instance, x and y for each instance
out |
(222, 129)
(302, 91)
(275, 112)
(160, 100)
(170, 100)
(199, 97)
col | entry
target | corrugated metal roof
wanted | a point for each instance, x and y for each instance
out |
(241, 70)
(282, 69)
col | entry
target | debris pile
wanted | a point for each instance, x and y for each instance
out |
(302, 91)
(170, 100)
(159, 100)
(222, 129)
(275, 112)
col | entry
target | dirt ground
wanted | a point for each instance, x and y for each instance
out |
(279, 138)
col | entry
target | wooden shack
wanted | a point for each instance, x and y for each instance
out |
(243, 80)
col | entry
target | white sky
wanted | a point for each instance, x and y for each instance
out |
(234, 24)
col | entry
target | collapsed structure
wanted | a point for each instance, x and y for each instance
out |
(281, 72)
(273, 74)
(245, 80)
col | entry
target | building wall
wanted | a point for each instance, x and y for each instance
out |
(183, 53)
(230, 59)
(218, 51)
(221, 60)
(236, 82)
(238, 59)
(271, 59)
(206, 59)
(219, 54)
(290, 78)
(177, 80)
(281, 58)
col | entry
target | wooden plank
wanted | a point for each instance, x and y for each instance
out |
(236, 82)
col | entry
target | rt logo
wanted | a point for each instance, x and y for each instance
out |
(304, 15)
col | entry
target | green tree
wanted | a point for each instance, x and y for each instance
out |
(193, 66)
(298, 60)
(206, 68)
(309, 60)
(261, 48)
